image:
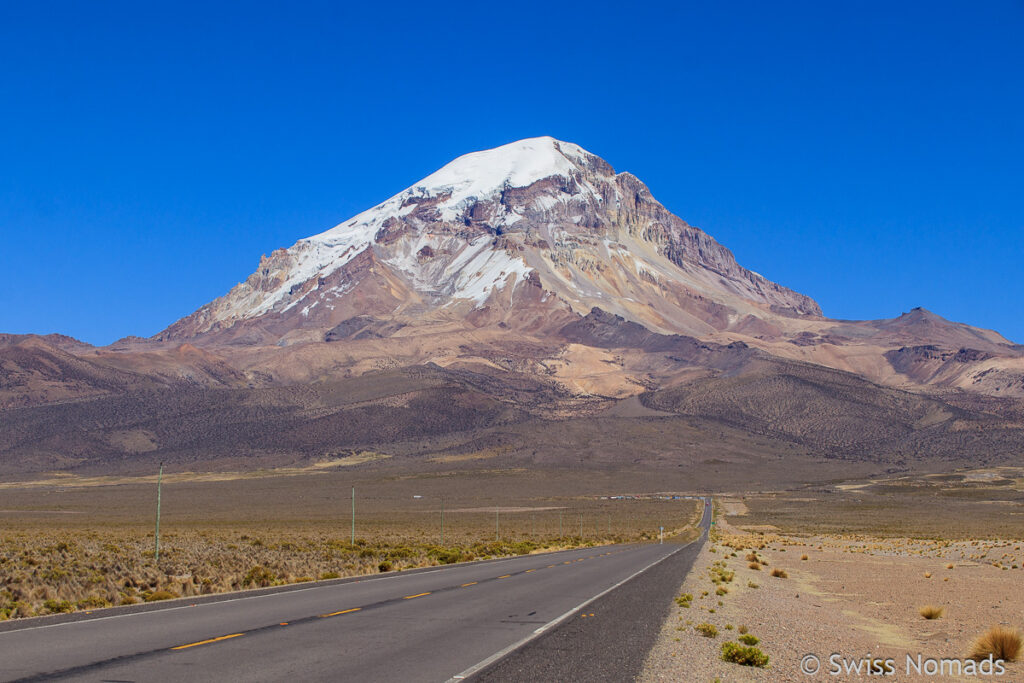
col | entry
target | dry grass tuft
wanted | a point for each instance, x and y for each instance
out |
(931, 612)
(779, 573)
(755, 566)
(1000, 642)
(803, 557)
(927, 575)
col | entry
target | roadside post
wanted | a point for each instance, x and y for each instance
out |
(159, 482)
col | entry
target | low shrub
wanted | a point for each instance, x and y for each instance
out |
(744, 655)
(707, 630)
(260, 576)
(155, 596)
(58, 606)
(931, 612)
(749, 639)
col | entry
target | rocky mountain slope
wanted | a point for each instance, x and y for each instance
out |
(517, 234)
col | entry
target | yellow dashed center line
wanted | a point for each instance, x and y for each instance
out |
(205, 642)
(356, 609)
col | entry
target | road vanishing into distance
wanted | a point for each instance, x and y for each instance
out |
(588, 614)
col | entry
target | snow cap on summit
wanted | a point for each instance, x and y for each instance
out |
(517, 164)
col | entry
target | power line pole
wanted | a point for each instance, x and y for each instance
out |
(560, 523)
(159, 483)
(496, 524)
(581, 526)
(353, 515)
(442, 520)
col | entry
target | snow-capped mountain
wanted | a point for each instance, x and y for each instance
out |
(533, 231)
(513, 294)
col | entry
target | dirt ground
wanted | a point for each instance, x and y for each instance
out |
(855, 595)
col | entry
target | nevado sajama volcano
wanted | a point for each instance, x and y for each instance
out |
(514, 298)
(528, 234)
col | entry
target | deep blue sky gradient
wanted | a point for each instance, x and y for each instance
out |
(869, 154)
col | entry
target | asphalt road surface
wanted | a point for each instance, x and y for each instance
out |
(441, 624)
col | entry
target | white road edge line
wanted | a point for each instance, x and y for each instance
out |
(557, 620)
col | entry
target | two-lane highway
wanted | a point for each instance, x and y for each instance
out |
(423, 626)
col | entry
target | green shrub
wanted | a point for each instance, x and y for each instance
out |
(93, 602)
(58, 606)
(744, 655)
(154, 596)
(261, 576)
(707, 630)
(749, 639)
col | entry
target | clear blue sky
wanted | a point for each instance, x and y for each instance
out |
(869, 154)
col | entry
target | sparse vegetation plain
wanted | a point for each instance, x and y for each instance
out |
(81, 548)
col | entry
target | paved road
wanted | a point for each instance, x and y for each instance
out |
(609, 639)
(424, 626)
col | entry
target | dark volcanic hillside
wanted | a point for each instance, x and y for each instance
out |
(422, 415)
(522, 305)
